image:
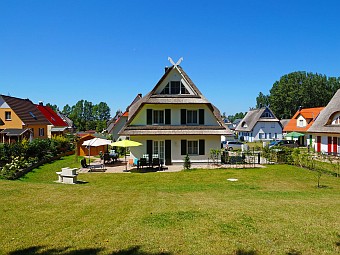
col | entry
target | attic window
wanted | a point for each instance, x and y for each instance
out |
(244, 124)
(174, 88)
(8, 116)
(266, 115)
(33, 116)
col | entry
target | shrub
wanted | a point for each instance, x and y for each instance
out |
(187, 162)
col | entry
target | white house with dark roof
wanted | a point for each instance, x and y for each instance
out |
(259, 125)
(326, 127)
(173, 120)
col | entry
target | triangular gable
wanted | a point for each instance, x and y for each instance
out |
(267, 113)
(3, 103)
(174, 83)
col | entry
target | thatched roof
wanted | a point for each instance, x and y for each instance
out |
(323, 122)
(252, 117)
(153, 98)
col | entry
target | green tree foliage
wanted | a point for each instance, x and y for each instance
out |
(299, 89)
(239, 115)
(262, 100)
(54, 107)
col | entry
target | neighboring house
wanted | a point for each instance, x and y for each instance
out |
(20, 118)
(259, 125)
(71, 128)
(233, 125)
(326, 128)
(284, 123)
(302, 120)
(116, 124)
(57, 125)
(174, 120)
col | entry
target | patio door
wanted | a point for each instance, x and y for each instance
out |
(158, 149)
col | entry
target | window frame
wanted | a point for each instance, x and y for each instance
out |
(192, 116)
(41, 131)
(193, 147)
(6, 115)
(158, 117)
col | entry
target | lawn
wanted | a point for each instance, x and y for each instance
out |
(272, 210)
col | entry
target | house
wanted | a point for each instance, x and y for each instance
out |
(326, 128)
(116, 124)
(259, 125)
(302, 120)
(57, 125)
(71, 128)
(20, 118)
(174, 119)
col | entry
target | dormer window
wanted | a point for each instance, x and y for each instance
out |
(244, 124)
(336, 121)
(174, 88)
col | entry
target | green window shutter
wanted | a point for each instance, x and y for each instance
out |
(183, 116)
(167, 116)
(201, 116)
(183, 147)
(201, 147)
(149, 116)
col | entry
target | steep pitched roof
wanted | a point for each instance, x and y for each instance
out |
(26, 110)
(153, 98)
(52, 116)
(322, 123)
(252, 117)
(309, 114)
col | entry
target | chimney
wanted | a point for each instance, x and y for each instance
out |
(300, 108)
(41, 103)
(166, 69)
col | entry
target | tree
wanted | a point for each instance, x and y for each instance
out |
(53, 107)
(299, 89)
(67, 110)
(262, 100)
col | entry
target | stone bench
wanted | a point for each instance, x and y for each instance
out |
(67, 175)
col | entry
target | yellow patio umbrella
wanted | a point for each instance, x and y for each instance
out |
(125, 144)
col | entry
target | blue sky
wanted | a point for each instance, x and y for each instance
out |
(63, 51)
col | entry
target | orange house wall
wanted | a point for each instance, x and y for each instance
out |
(83, 151)
(15, 121)
(36, 130)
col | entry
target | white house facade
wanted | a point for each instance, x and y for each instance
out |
(326, 128)
(174, 120)
(259, 125)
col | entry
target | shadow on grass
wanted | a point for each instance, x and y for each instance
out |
(42, 250)
(294, 252)
(245, 252)
(338, 242)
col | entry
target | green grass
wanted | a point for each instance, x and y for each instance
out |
(273, 210)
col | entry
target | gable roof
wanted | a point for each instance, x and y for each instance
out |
(26, 110)
(153, 98)
(52, 116)
(308, 114)
(252, 117)
(321, 124)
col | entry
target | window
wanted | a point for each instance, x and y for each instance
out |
(41, 132)
(193, 147)
(158, 117)
(175, 88)
(261, 135)
(300, 123)
(275, 136)
(191, 117)
(336, 121)
(8, 116)
(266, 115)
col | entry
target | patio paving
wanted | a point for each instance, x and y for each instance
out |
(120, 166)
